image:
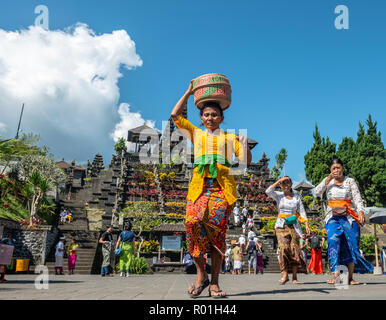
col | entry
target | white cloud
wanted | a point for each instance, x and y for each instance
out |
(68, 82)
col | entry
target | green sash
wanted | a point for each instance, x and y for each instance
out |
(210, 159)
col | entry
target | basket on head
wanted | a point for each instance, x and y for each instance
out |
(212, 87)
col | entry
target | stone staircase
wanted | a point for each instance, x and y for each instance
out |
(88, 254)
(79, 214)
(271, 264)
(87, 258)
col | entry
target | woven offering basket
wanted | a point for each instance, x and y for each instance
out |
(212, 87)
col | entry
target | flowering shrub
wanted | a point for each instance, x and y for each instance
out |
(36, 222)
(147, 246)
(175, 215)
(177, 204)
(268, 218)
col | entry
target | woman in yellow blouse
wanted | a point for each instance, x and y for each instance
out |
(212, 190)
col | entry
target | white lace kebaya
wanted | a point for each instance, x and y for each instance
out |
(348, 191)
(287, 206)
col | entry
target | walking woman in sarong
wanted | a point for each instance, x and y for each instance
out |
(288, 229)
(342, 222)
(72, 252)
(212, 190)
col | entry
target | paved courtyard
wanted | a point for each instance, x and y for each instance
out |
(174, 287)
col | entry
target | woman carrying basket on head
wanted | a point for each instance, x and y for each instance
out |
(212, 190)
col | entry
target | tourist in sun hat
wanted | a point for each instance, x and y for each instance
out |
(288, 229)
(342, 222)
(212, 191)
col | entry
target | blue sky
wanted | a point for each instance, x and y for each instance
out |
(288, 65)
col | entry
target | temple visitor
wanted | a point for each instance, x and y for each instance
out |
(259, 257)
(63, 216)
(9, 242)
(252, 255)
(342, 222)
(316, 244)
(244, 214)
(241, 242)
(59, 256)
(228, 258)
(212, 190)
(126, 241)
(72, 252)
(288, 229)
(251, 233)
(303, 246)
(237, 258)
(244, 226)
(236, 214)
(106, 241)
(190, 267)
(69, 217)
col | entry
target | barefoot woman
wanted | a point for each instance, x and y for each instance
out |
(288, 230)
(342, 221)
(212, 191)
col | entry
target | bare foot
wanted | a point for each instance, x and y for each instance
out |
(332, 281)
(283, 280)
(295, 281)
(353, 282)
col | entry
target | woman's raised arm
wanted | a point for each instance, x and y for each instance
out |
(177, 110)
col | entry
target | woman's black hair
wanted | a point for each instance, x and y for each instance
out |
(212, 104)
(127, 226)
(288, 178)
(335, 160)
(292, 190)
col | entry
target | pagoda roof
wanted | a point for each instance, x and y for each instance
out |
(304, 185)
(143, 127)
(252, 143)
(63, 164)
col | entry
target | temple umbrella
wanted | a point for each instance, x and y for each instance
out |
(378, 217)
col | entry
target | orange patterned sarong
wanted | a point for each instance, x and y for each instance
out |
(207, 219)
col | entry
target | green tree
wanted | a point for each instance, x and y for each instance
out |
(368, 165)
(316, 160)
(143, 215)
(281, 158)
(42, 164)
(347, 151)
(13, 150)
(364, 160)
(40, 187)
(120, 146)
